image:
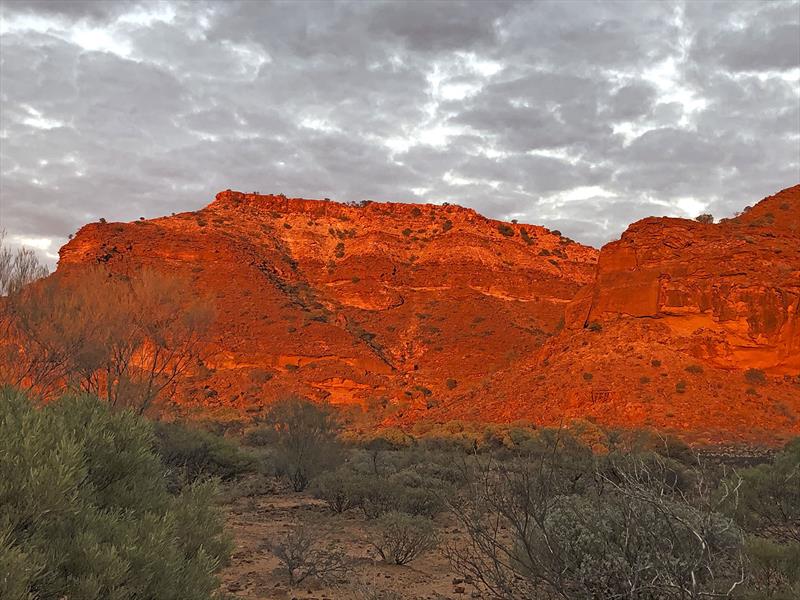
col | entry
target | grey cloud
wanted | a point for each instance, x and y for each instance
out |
(632, 101)
(760, 36)
(328, 99)
(92, 10)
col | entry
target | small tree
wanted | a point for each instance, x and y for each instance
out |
(304, 434)
(705, 219)
(18, 268)
(126, 340)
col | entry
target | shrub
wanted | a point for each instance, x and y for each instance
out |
(770, 495)
(85, 511)
(704, 218)
(406, 232)
(447, 225)
(588, 376)
(630, 534)
(301, 556)
(694, 369)
(755, 376)
(193, 453)
(655, 362)
(400, 538)
(340, 489)
(774, 569)
(505, 230)
(595, 326)
(451, 384)
(680, 386)
(305, 441)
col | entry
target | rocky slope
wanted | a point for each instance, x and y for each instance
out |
(380, 305)
(687, 326)
(432, 313)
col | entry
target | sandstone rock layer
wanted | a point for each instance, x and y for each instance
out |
(426, 313)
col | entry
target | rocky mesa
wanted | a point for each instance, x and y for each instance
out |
(427, 313)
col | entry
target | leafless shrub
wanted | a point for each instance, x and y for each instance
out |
(301, 556)
(18, 268)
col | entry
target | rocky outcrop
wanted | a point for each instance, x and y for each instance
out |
(368, 304)
(410, 313)
(729, 293)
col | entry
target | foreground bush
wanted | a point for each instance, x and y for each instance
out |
(623, 530)
(769, 509)
(85, 512)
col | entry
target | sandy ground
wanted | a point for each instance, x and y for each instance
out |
(254, 572)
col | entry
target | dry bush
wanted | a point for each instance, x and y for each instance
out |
(124, 339)
(302, 556)
(18, 268)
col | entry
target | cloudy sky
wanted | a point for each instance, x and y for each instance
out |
(582, 116)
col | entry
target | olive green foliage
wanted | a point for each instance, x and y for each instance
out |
(769, 509)
(557, 521)
(770, 496)
(85, 512)
(304, 438)
(399, 538)
(191, 453)
(379, 481)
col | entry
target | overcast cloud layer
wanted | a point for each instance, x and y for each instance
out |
(582, 116)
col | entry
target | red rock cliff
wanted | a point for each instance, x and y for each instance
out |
(433, 313)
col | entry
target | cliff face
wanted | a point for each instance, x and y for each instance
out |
(378, 305)
(433, 313)
(728, 292)
(686, 327)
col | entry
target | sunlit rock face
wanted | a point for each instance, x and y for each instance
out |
(378, 303)
(728, 292)
(426, 313)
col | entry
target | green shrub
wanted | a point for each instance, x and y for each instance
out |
(694, 369)
(340, 489)
(680, 386)
(400, 538)
(193, 453)
(769, 498)
(755, 376)
(85, 512)
(595, 326)
(505, 230)
(304, 438)
(774, 569)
